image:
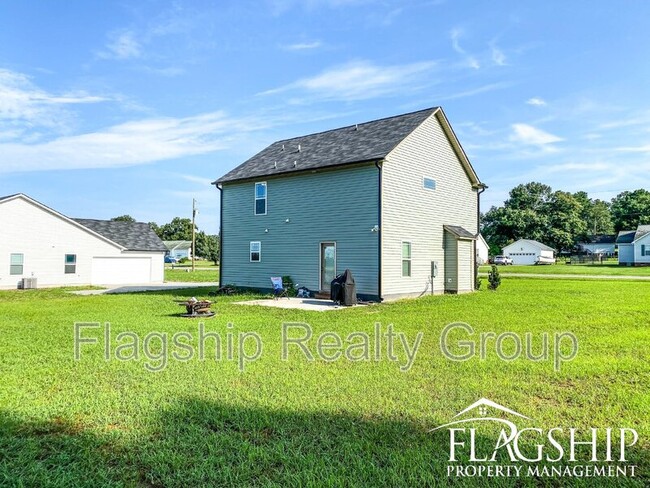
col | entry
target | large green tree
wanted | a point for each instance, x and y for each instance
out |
(631, 208)
(178, 229)
(123, 218)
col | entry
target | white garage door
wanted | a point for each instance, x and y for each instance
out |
(121, 271)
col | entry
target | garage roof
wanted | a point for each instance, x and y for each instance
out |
(134, 236)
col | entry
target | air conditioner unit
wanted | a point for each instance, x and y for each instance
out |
(29, 283)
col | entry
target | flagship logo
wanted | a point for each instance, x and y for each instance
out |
(560, 452)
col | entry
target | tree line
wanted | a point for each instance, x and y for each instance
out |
(180, 229)
(561, 219)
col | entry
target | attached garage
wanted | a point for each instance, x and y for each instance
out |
(121, 270)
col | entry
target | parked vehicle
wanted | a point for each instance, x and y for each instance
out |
(504, 260)
(171, 259)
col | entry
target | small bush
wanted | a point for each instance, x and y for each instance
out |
(494, 278)
(479, 281)
(183, 260)
(288, 283)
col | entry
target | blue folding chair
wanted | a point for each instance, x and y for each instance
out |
(279, 290)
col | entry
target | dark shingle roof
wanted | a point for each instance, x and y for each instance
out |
(459, 232)
(625, 237)
(134, 236)
(356, 143)
(601, 239)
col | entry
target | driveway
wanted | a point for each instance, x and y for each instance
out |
(111, 289)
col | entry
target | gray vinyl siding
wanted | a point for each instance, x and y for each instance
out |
(465, 266)
(451, 262)
(329, 206)
(411, 212)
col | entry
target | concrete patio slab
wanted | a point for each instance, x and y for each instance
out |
(146, 287)
(311, 304)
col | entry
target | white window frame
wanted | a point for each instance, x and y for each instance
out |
(424, 179)
(409, 259)
(66, 264)
(265, 198)
(259, 251)
(22, 264)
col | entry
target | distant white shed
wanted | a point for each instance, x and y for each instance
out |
(482, 250)
(528, 251)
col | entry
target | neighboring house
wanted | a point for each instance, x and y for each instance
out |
(634, 246)
(394, 200)
(600, 244)
(528, 251)
(179, 249)
(38, 242)
(482, 250)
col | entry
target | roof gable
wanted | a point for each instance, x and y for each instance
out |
(641, 232)
(532, 242)
(366, 142)
(625, 237)
(133, 236)
(601, 239)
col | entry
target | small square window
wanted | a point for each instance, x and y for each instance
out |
(16, 262)
(70, 263)
(429, 183)
(255, 251)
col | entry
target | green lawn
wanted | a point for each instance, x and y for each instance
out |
(94, 422)
(187, 275)
(575, 269)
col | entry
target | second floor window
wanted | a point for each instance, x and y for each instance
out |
(260, 198)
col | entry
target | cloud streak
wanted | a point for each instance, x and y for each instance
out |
(358, 80)
(527, 134)
(126, 144)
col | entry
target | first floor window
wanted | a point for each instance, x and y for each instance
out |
(256, 251)
(70, 263)
(645, 250)
(406, 259)
(16, 262)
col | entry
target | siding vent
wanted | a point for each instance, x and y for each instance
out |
(429, 183)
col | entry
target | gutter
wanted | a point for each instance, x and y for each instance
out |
(479, 189)
(378, 164)
(220, 188)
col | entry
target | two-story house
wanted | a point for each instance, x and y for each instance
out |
(394, 200)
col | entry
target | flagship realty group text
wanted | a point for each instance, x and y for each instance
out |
(457, 342)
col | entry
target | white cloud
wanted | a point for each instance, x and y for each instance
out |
(24, 106)
(498, 57)
(527, 134)
(131, 143)
(470, 60)
(536, 101)
(302, 46)
(122, 45)
(635, 149)
(358, 81)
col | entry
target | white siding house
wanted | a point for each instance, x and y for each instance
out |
(38, 242)
(482, 250)
(600, 244)
(634, 246)
(528, 251)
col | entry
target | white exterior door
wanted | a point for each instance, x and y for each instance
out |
(121, 270)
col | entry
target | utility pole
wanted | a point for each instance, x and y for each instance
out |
(193, 232)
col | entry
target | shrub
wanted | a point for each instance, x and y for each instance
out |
(287, 282)
(183, 260)
(494, 278)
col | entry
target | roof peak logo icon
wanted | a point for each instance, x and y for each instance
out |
(483, 405)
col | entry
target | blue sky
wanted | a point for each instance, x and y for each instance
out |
(109, 108)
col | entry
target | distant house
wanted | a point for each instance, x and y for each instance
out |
(179, 249)
(39, 242)
(528, 251)
(482, 250)
(634, 246)
(394, 200)
(604, 244)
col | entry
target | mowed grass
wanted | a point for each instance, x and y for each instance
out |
(189, 276)
(574, 269)
(94, 422)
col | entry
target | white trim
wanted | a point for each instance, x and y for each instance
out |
(320, 261)
(266, 197)
(250, 251)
